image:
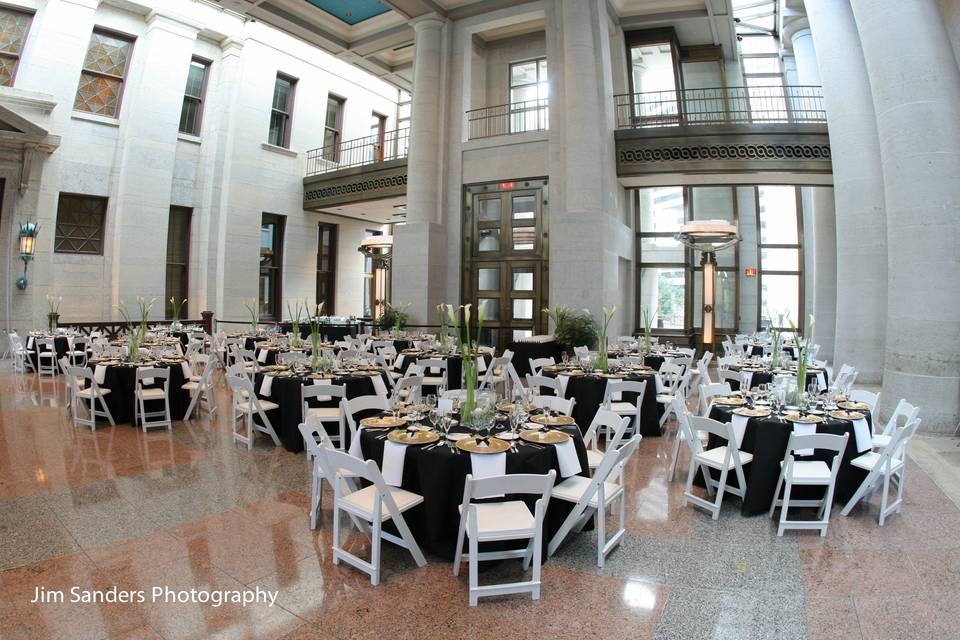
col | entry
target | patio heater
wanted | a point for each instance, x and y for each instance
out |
(380, 251)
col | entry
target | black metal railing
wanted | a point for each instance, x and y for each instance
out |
(392, 145)
(720, 105)
(506, 119)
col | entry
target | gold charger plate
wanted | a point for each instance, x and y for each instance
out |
(506, 407)
(494, 445)
(555, 421)
(612, 376)
(573, 373)
(850, 405)
(847, 415)
(544, 437)
(383, 422)
(752, 413)
(416, 437)
(411, 352)
(795, 417)
(731, 401)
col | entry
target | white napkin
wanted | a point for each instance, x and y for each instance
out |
(567, 457)
(445, 405)
(739, 427)
(821, 381)
(321, 398)
(481, 365)
(398, 363)
(266, 387)
(746, 378)
(378, 386)
(262, 356)
(861, 430)
(185, 368)
(99, 373)
(660, 387)
(563, 380)
(487, 465)
(30, 342)
(393, 457)
(804, 430)
(355, 449)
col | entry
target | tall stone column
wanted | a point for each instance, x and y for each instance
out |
(858, 189)
(915, 86)
(419, 253)
(822, 216)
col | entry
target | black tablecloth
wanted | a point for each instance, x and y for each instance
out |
(60, 343)
(288, 416)
(523, 352)
(438, 474)
(454, 367)
(328, 332)
(766, 376)
(588, 391)
(121, 380)
(250, 342)
(766, 439)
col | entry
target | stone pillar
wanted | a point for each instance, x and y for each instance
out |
(858, 190)
(821, 275)
(419, 253)
(915, 85)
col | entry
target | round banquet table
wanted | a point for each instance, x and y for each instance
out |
(272, 353)
(523, 352)
(588, 391)
(60, 343)
(285, 391)
(121, 379)
(438, 474)
(766, 376)
(454, 366)
(766, 438)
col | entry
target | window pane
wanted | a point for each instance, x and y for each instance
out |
(523, 309)
(652, 70)
(523, 94)
(662, 290)
(758, 44)
(780, 259)
(524, 207)
(661, 249)
(522, 279)
(661, 209)
(107, 54)
(524, 238)
(779, 295)
(726, 302)
(80, 224)
(543, 71)
(13, 28)
(520, 334)
(195, 79)
(333, 112)
(523, 73)
(489, 240)
(492, 308)
(489, 209)
(761, 65)
(98, 94)
(489, 279)
(712, 203)
(778, 215)
(8, 67)
(189, 115)
(278, 129)
(726, 257)
(282, 89)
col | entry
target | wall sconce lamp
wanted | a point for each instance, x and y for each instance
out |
(28, 246)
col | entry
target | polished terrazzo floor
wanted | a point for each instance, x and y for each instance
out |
(188, 509)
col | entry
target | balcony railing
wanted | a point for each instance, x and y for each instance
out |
(392, 145)
(721, 105)
(506, 119)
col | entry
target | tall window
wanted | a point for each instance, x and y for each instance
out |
(654, 77)
(529, 91)
(404, 100)
(282, 111)
(104, 72)
(378, 125)
(781, 257)
(327, 266)
(271, 265)
(178, 259)
(716, 203)
(332, 129)
(80, 221)
(13, 33)
(192, 111)
(663, 262)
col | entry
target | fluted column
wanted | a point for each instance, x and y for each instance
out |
(915, 85)
(419, 262)
(858, 189)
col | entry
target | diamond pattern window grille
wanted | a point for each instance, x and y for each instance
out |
(104, 68)
(13, 33)
(80, 222)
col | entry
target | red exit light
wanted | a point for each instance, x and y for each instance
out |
(507, 185)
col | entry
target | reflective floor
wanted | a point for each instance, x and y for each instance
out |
(120, 509)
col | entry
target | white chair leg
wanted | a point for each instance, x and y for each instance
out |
(474, 579)
(375, 551)
(786, 506)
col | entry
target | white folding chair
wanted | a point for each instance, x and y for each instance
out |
(675, 386)
(327, 415)
(904, 413)
(613, 400)
(592, 497)
(614, 425)
(350, 407)
(246, 405)
(884, 467)
(78, 352)
(862, 395)
(535, 385)
(681, 436)
(202, 389)
(724, 458)
(64, 364)
(91, 393)
(501, 521)
(560, 405)
(431, 377)
(143, 395)
(315, 440)
(708, 392)
(376, 504)
(495, 374)
(46, 350)
(536, 364)
(815, 473)
(516, 384)
(407, 389)
(732, 378)
(581, 352)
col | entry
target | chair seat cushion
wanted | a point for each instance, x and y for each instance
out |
(88, 393)
(623, 408)
(815, 471)
(594, 457)
(361, 502)
(870, 459)
(880, 441)
(432, 381)
(325, 413)
(573, 488)
(152, 394)
(664, 398)
(190, 386)
(266, 404)
(503, 520)
(714, 458)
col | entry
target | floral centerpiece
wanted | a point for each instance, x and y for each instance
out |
(138, 332)
(315, 323)
(776, 333)
(647, 319)
(254, 310)
(443, 337)
(803, 354)
(572, 329)
(602, 356)
(176, 308)
(394, 317)
(53, 303)
(469, 351)
(295, 323)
